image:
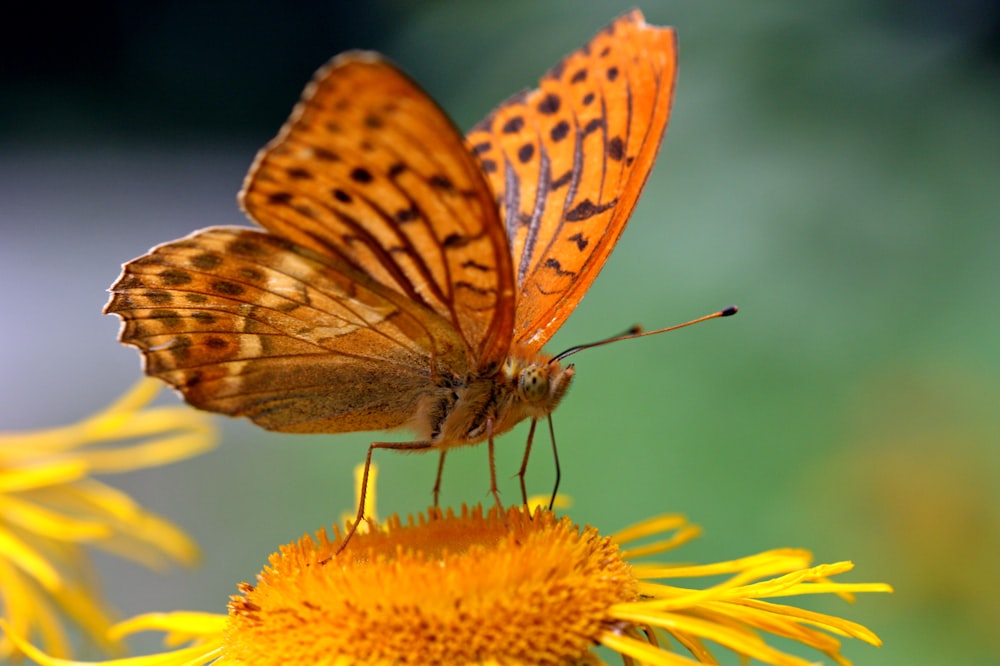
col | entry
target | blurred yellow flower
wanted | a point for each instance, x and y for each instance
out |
(51, 509)
(518, 588)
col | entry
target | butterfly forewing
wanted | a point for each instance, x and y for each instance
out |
(568, 160)
(369, 170)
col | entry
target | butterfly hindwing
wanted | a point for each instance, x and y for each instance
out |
(248, 324)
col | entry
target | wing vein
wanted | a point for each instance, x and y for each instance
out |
(541, 200)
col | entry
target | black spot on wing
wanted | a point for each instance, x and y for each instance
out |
(298, 173)
(559, 131)
(616, 149)
(562, 180)
(227, 288)
(454, 240)
(473, 288)
(475, 265)
(550, 104)
(554, 265)
(525, 153)
(442, 183)
(169, 318)
(362, 175)
(157, 297)
(587, 209)
(206, 261)
(513, 125)
(406, 215)
(175, 277)
(324, 155)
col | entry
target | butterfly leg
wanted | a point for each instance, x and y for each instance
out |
(524, 461)
(493, 469)
(396, 446)
(437, 481)
(555, 457)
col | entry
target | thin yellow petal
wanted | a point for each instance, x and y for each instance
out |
(191, 624)
(147, 422)
(161, 451)
(775, 561)
(694, 645)
(369, 511)
(64, 438)
(830, 623)
(198, 654)
(28, 559)
(158, 536)
(41, 475)
(650, 527)
(644, 652)
(138, 396)
(26, 610)
(561, 501)
(829, 588)
(796, 582)
(50, 524)
(682, 536)
(739, 641)
(49, 506)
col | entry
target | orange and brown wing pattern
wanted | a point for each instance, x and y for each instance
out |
(369, 170)
(568, 160)
(248, 324)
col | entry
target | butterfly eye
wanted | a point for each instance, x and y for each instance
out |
(534, 383)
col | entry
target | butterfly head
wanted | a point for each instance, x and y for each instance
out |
(538, 383)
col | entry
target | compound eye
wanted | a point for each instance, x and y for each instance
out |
(534, 383)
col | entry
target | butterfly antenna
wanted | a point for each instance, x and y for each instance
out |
(637, 332)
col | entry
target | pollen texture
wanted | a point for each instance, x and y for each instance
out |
(442, 589)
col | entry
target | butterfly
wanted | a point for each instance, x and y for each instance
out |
(405, 276)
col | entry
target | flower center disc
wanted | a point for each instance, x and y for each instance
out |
(443, 589)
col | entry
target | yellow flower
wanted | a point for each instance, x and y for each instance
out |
(51, 508)
(470, 588)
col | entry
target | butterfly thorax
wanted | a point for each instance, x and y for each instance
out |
(470, 409)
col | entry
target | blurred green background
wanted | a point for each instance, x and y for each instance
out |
(831, 167)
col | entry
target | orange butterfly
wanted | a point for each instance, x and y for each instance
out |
(408, 277)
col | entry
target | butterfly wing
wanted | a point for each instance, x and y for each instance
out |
(386, 270)
(568, 160)
(248, 324)
(369, 170)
